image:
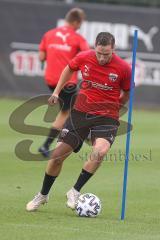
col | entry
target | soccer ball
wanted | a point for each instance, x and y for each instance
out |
(88, 205)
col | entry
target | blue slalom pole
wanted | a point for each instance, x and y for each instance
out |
(128, 127)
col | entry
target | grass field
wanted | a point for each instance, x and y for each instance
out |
(20, 180)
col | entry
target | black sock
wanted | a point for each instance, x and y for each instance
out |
(82, 179)
(52, 135)
(47, 183)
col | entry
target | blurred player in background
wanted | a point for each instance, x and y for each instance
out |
(106, 85)
(58, 46)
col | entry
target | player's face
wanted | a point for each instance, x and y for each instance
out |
(104, 54)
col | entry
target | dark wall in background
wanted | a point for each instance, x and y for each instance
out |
(22, 25)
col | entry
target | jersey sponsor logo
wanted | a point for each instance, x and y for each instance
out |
(101, 86)
(91, 84)
(113, 77)
(62, 47)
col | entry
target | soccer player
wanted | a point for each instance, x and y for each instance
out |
(58, 46)
(105, 87)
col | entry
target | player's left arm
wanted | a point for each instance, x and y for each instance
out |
(42, 56)
(125, 85)
(124, 97)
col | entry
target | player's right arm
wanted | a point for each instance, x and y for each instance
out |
(65, 76)
(42, 56)
(43, 48)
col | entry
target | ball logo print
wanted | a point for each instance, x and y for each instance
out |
(88, 205)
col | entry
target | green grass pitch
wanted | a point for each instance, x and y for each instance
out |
(20, 180)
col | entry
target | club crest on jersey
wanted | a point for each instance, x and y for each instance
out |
(113, 77)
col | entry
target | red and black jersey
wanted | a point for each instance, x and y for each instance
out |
(101, 86)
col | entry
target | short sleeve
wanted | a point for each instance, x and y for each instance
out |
(42, 45)
(126, 78)
(75, 63)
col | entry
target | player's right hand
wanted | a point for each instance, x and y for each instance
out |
(53, 99)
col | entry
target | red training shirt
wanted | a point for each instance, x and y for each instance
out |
(101, 86)
(61, 45)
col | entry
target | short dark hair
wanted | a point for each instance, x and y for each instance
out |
(75, 14)
(104, 39)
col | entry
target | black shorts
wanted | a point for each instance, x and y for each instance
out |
(79, 124)
(67, 96)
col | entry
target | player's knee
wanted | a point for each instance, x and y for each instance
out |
(98, 154)
(56, 157)
(102, 150)
(56, 160)
(60, 153)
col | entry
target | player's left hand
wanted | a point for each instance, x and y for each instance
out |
(53, 99)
